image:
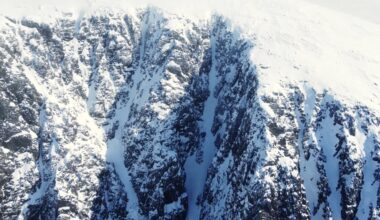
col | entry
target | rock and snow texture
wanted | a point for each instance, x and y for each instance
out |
(143, 114)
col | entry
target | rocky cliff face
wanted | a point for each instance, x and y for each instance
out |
(149, 115)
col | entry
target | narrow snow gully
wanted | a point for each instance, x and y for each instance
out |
(43, 186)
(115, 155)
(196, 172)
(115, 146)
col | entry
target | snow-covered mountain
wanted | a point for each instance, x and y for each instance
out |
(146, 114)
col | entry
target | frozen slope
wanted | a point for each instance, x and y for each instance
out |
(325, 48)
(271, 113)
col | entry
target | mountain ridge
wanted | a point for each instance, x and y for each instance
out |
(119, 116)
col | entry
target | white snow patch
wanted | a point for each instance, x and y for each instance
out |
(297, 41)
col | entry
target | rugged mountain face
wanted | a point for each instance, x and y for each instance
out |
(149, 115)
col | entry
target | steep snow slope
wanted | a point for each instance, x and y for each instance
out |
(144, 114)
(326, 49)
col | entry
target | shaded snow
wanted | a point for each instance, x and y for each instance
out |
(327, 140)
(196, 173)
(370, 186)
(115, 155)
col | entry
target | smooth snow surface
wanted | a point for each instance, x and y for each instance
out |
(330, 51)
(366, 9)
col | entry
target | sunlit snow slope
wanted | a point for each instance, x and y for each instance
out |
(272, 113)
